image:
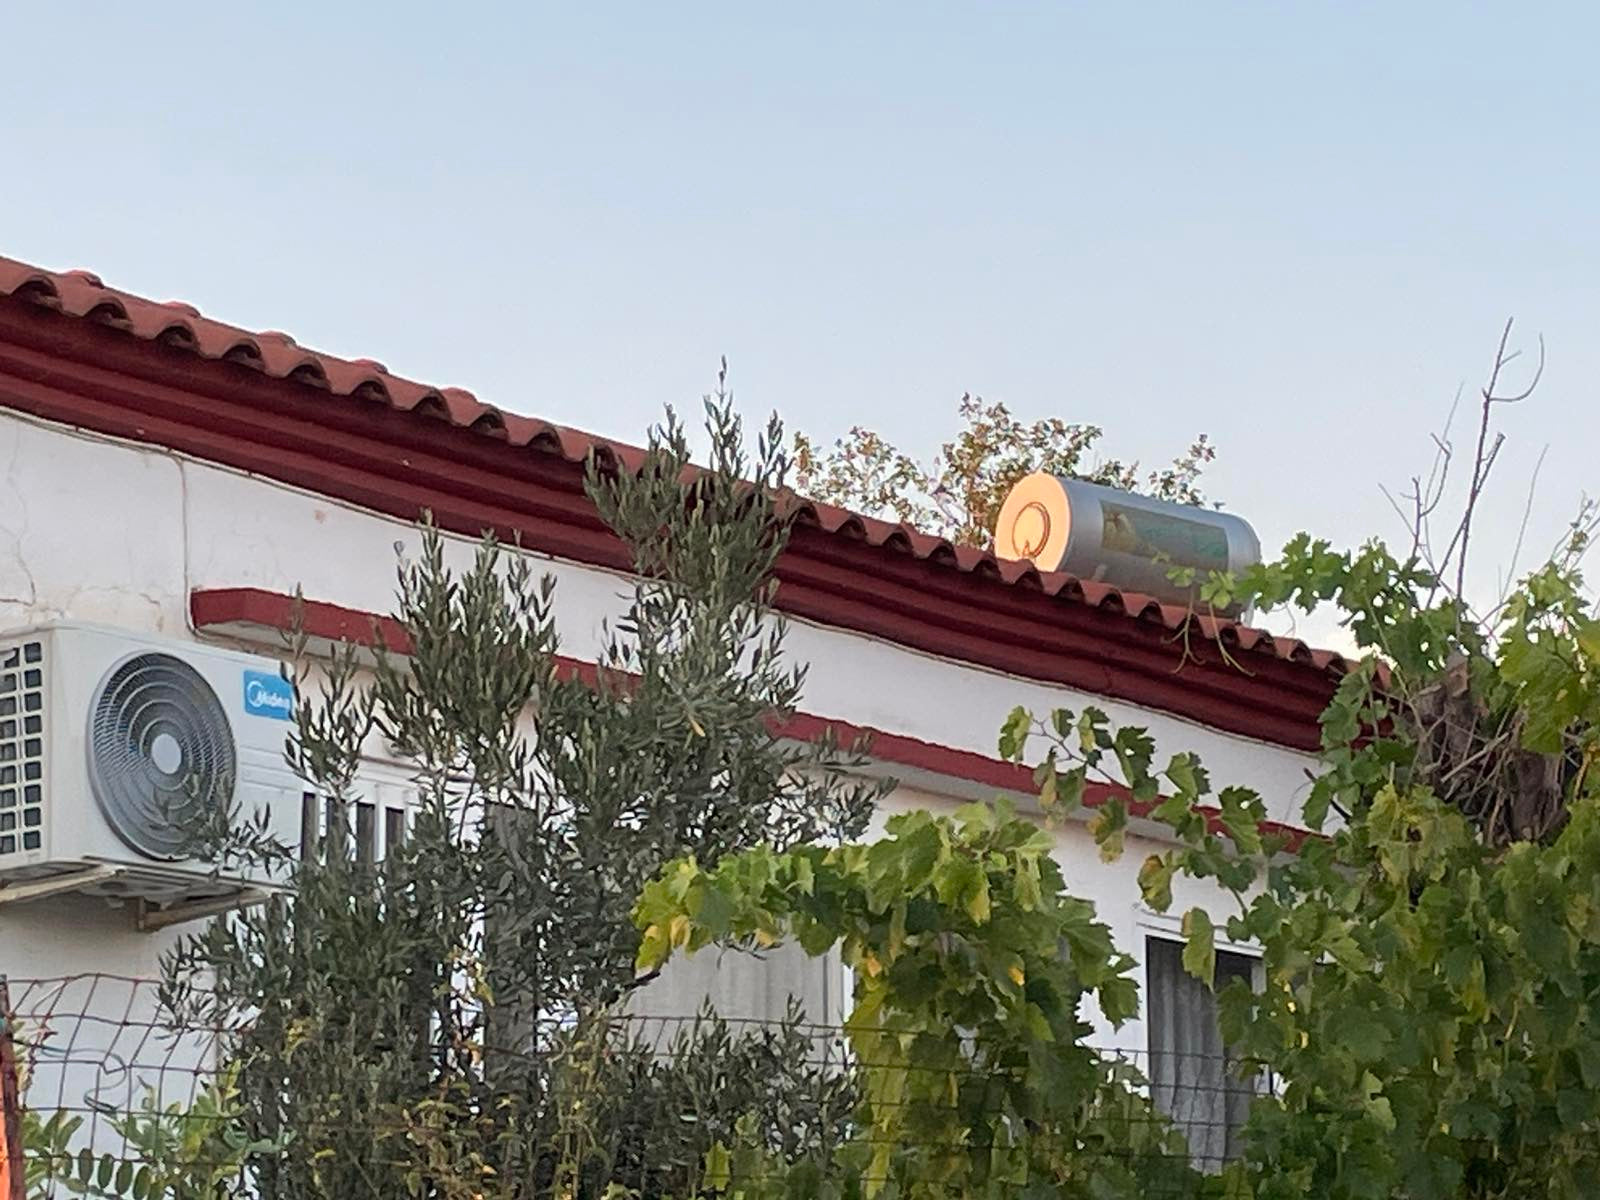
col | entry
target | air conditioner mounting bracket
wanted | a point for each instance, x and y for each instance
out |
(71, 881)
(150, 917)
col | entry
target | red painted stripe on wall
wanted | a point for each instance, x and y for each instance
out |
(222, 609)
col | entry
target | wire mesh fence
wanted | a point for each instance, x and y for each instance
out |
(117, 1097)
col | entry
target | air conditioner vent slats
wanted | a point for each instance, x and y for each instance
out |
(21, 747)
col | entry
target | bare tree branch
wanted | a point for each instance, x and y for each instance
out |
(1484, 456)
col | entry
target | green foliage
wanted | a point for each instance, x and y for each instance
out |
(633, 1109)
(1430, 958)
(958, 494)
(779, 1087)
(972, 965)
(1431, 963)
(407, 1027)
(165, 1152)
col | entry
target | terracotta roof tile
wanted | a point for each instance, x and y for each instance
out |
(82, 294)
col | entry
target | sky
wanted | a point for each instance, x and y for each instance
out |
(1297, 228)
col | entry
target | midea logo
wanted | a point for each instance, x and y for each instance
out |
(268, 695)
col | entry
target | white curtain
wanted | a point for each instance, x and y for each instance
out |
(1193, 1078)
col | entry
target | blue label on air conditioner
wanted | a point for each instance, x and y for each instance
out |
(268, 695)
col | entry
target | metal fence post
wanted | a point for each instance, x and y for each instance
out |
(13, 1170)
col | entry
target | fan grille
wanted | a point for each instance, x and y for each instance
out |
(161, 753)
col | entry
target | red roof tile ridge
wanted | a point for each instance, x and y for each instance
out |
(80, 293)
(83, 294)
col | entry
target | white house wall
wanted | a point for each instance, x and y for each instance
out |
(347, 556)
(95, 530)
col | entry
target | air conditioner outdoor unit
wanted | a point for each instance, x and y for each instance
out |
(114, 747)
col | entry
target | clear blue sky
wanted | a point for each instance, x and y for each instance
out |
(1296, 227)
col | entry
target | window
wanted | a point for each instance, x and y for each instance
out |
(325, 827)
(1193, 1077)
(512, 1023)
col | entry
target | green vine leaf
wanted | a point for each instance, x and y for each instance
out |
(1200, 946)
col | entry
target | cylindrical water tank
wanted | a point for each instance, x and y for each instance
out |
(1115, 537)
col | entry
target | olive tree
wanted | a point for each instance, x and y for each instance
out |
(446, 1020)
